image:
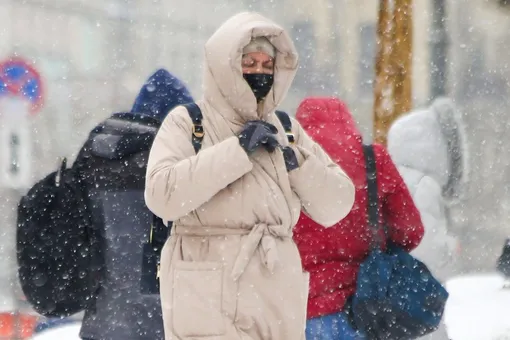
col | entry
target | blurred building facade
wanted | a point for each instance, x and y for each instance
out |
(477, 65)
(94, 55)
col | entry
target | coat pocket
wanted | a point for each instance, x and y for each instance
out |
(198, 299)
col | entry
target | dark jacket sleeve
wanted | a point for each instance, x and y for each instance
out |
(401, 216)
(53, 247)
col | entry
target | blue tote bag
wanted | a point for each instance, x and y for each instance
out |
(396, 297)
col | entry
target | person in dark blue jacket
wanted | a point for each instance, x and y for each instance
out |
(111, 168)
(160, 94)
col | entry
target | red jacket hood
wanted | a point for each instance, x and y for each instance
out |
(328, 121)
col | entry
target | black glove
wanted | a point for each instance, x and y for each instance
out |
(291, 161)
(258, 133)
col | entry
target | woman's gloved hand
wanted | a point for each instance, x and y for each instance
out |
(258, 133)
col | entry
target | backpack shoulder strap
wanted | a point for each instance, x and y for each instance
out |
(198, 130)
(372, 195)
(287, 125)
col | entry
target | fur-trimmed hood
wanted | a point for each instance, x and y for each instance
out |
(433, 141)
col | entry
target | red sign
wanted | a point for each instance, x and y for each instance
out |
(19, 78)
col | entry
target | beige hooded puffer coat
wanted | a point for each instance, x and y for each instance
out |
(230, 270)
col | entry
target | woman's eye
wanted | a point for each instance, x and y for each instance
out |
(269, 64)
(248, 62)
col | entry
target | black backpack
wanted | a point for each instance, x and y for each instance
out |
(59, 249)
(159, 231)
(53, 289)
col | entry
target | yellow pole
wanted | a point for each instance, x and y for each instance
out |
(393, 83)
(383, 89)
(403, 41)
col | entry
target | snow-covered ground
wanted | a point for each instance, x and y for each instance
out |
(63, 332)
(478, 308)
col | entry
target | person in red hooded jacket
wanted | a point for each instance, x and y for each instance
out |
(333, 255)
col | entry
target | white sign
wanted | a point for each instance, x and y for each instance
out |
(15, 144)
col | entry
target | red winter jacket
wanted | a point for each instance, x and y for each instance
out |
(333, 255)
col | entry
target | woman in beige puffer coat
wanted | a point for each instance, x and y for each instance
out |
(230, 270)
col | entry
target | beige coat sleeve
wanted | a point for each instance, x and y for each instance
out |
(326, 192)
(179, 181)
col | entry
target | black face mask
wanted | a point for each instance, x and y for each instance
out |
(260, 84)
